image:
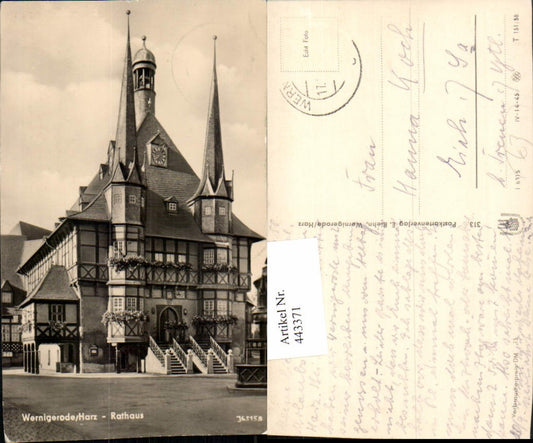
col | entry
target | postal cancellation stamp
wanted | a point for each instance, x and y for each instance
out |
(321, 71)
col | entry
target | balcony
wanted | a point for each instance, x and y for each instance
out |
(138, 269)
(225, 278)
(131, 331)
(88, 271)
(125, 326)
(219, 327)
(129, 273)
(220, 332)
(159, 275)
(50, 332)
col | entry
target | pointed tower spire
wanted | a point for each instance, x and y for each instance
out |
(213, 178)
(213, 142)
(213, 198)
(213, 159)
(126, 130)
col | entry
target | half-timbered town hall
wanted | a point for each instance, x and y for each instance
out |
(149, 269)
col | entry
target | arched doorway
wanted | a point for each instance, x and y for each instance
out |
(168, 319)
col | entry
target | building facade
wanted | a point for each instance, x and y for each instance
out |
(149, 270)
(19, 243)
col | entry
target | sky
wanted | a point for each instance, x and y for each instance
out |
(61, 67)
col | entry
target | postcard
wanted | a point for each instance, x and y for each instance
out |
(133, 219)
(400, 139)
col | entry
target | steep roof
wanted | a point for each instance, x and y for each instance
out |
(11, 251)
(161, 223)
(126, 127)
(240, 229)
(213, 156)
(95, 211)
(177, 180)
(10, 309)
(31, 232)
(16, 248)
(213, 178)
(30, 247)
(54, 286)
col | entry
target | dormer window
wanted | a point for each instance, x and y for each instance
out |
(171, 204)
(102, 171)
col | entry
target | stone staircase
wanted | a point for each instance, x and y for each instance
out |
(218, 367)
(175, 365)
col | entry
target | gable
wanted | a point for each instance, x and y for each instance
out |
(54, 286)
(10, 258)
(31, 232)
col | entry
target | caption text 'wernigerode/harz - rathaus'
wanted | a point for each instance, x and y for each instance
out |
(149, 270)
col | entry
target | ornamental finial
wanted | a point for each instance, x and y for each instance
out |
(214, 52)
(128, 12)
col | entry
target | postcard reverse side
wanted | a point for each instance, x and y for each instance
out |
(400, 136)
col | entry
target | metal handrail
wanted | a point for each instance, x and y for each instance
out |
(156, 350)
(198, 351)
(180, 353)
(219, 352)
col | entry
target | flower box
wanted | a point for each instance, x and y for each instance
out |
(122, 317)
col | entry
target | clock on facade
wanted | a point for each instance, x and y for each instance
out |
(158, 155)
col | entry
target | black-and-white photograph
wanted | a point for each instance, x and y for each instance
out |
(133, 222)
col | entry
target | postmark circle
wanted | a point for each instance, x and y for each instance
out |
(324, 93)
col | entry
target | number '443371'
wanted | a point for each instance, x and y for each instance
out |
(297, 325)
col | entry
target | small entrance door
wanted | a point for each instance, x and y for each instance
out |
(168, 321)
(128, 358)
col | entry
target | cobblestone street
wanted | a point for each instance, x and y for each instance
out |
(168, 405)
